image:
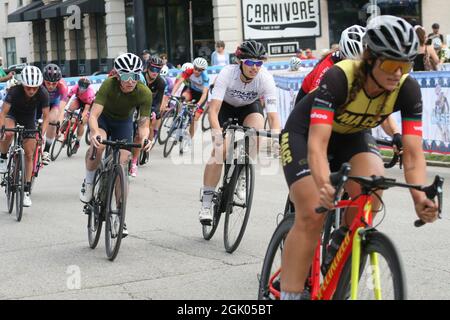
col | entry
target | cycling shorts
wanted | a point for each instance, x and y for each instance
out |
(229, 112)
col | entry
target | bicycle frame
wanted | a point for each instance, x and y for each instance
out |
(350, 245)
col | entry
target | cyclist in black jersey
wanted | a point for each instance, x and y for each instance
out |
(333, 123)
(20, 107)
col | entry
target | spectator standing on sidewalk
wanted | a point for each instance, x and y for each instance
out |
(220, 57)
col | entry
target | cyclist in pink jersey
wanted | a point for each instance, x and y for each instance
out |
(57, 91)
(81, 97)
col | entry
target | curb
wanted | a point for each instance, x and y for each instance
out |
(429, 163)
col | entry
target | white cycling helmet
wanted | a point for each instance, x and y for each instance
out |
(200, 63)
(164, 71)
(294, 63)
(32, 76)
(351, 44)
(186, 66)
(128, 63)
(391, 37)
(11, 83)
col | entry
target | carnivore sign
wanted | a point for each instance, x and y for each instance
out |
(269, 19)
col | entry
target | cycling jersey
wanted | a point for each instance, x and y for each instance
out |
(58, 95)
(23, 109)
(159, 89)
(327, 104)
(312, 80)
(86, 97)
(230, 88)
(193, 82)
(120, 106)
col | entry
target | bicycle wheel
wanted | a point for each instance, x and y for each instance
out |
(238, 205)
(19, 182)
(95, 208)
(205, 121)
(269, 279)
(115, 212)
(391, 284)
(10, 183)
(143, 157)
(57, 145)
(87, 136)
(164, 127)
(172, 139)
(71, 140)
(209, 231)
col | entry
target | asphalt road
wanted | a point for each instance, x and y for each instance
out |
(46, 256)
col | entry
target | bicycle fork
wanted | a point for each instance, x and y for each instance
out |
(356, 263)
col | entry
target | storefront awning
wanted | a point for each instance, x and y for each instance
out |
(34, 14)
(18, 15)
(86, 6)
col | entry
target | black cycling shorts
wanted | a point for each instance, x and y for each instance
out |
(229, 112)
(29, 122)
(117, 129)
(341, 148)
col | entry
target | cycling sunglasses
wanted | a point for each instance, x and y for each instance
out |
(129, 76)
(391, 66)
(199, 69)
(154, 69)
(251, 63)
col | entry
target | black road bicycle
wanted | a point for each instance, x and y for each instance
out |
(109, 198)
(234, 197)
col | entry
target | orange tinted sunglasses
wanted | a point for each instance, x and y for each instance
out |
(391, 66)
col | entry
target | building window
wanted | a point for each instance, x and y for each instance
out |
(60, 41)
(131, 31)
(11, 57)
(202, 28)
(344, 13)
(19, 3)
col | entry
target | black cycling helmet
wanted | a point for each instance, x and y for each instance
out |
(83, 83)
(155, 61)
(52, 73)
(251, 50)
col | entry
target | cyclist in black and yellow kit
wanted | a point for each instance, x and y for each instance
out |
(112, 114)
(333, 122)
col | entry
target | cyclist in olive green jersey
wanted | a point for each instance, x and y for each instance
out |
(111, 115)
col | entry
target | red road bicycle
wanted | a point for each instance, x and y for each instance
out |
(66, 134)
(366, 264)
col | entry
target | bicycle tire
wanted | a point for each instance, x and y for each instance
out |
(209, 231)
(95, 220)
(168, 145)
(205, 127)
(87, 136)
(9, 187)
(143, 157)
(112, 247)
(71, 140)
(230, 245)
(163, 127)
(376, 242)
(57, 146)
(275, 245)
(19, 178)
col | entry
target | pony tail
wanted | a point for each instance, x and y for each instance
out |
(360, 77)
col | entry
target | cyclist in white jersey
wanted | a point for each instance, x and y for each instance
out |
(236, 94)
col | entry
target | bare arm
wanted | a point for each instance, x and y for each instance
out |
(176, 86)
(45, 113)
(203, 97)
(319, 136)
(96, 111)
(390, 126)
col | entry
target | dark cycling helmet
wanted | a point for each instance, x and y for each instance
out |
(52, 73)
(391, 37)
(251, 50)
(84, 83)
(155, 61)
